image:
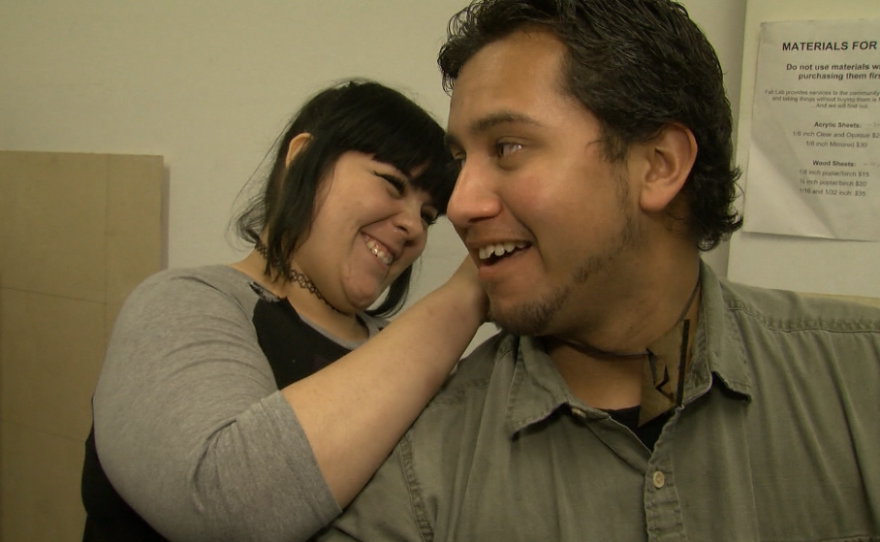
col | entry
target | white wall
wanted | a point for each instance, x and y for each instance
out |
(804, 264)
(209, 85)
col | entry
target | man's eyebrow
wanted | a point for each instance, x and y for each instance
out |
(488, 122)
(502, 117)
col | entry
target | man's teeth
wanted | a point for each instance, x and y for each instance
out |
(499, 249)
(379, 253)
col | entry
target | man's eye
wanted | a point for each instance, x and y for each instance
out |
(503, 149)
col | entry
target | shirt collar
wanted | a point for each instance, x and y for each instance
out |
(538, 390)
(718, 349)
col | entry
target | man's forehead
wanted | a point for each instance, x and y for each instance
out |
(485, 123)
(506, 76)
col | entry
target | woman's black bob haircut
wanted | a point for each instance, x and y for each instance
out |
(356, 115)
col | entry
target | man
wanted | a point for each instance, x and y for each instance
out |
(632, 395)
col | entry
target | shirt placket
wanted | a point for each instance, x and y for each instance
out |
(662, 505)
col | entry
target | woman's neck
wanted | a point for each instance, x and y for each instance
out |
(307, 301)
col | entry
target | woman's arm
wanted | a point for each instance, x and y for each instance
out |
(355, 410)
(194, 434)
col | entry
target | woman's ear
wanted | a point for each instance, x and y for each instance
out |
(296, 144)
(670, 157)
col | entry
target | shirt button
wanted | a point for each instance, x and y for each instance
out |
(659, 479)
(578, 413)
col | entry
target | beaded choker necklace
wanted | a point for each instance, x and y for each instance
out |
(291, 275)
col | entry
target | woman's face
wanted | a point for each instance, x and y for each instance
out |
(370, 225)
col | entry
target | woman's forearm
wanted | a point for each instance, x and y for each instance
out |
(356, 409)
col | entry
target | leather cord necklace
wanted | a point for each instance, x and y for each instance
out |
(590, 350)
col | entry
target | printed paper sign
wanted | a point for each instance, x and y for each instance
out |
(814, 157)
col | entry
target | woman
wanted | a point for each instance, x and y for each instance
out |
(242, 402)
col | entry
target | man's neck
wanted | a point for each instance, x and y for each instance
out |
(601, 383)
(604, 366)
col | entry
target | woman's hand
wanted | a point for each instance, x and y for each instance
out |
(465, 282)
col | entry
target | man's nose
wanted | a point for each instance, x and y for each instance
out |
(474, 197)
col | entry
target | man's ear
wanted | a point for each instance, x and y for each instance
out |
(670, 157)
(296, 144)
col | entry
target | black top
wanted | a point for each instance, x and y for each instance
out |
(294, 349)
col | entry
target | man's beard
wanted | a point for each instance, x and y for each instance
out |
(534, 317)
(529, 318)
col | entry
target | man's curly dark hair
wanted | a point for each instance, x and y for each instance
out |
(638, 65)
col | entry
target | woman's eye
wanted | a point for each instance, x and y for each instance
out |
(429, 217)
(503, 149)
(398, 184)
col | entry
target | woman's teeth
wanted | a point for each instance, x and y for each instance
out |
(383, 256)
(500, 249)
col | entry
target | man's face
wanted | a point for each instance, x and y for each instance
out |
(549, 220)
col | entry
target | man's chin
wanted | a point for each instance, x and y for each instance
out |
(519, 320)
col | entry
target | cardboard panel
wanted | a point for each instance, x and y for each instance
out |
(40, 490)
(77, 233)
(53, 237)
(51, 352)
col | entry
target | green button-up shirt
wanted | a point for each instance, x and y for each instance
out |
(778, 439)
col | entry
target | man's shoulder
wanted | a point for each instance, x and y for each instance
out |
(789, 311)
(467, 391)
(471, 405)
(473, 372)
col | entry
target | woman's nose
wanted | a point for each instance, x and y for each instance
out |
(409, 219)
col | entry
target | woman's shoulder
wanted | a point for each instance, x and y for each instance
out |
(196, 287)
(220, 277)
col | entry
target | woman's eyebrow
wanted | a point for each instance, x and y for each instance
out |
(397, 171)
